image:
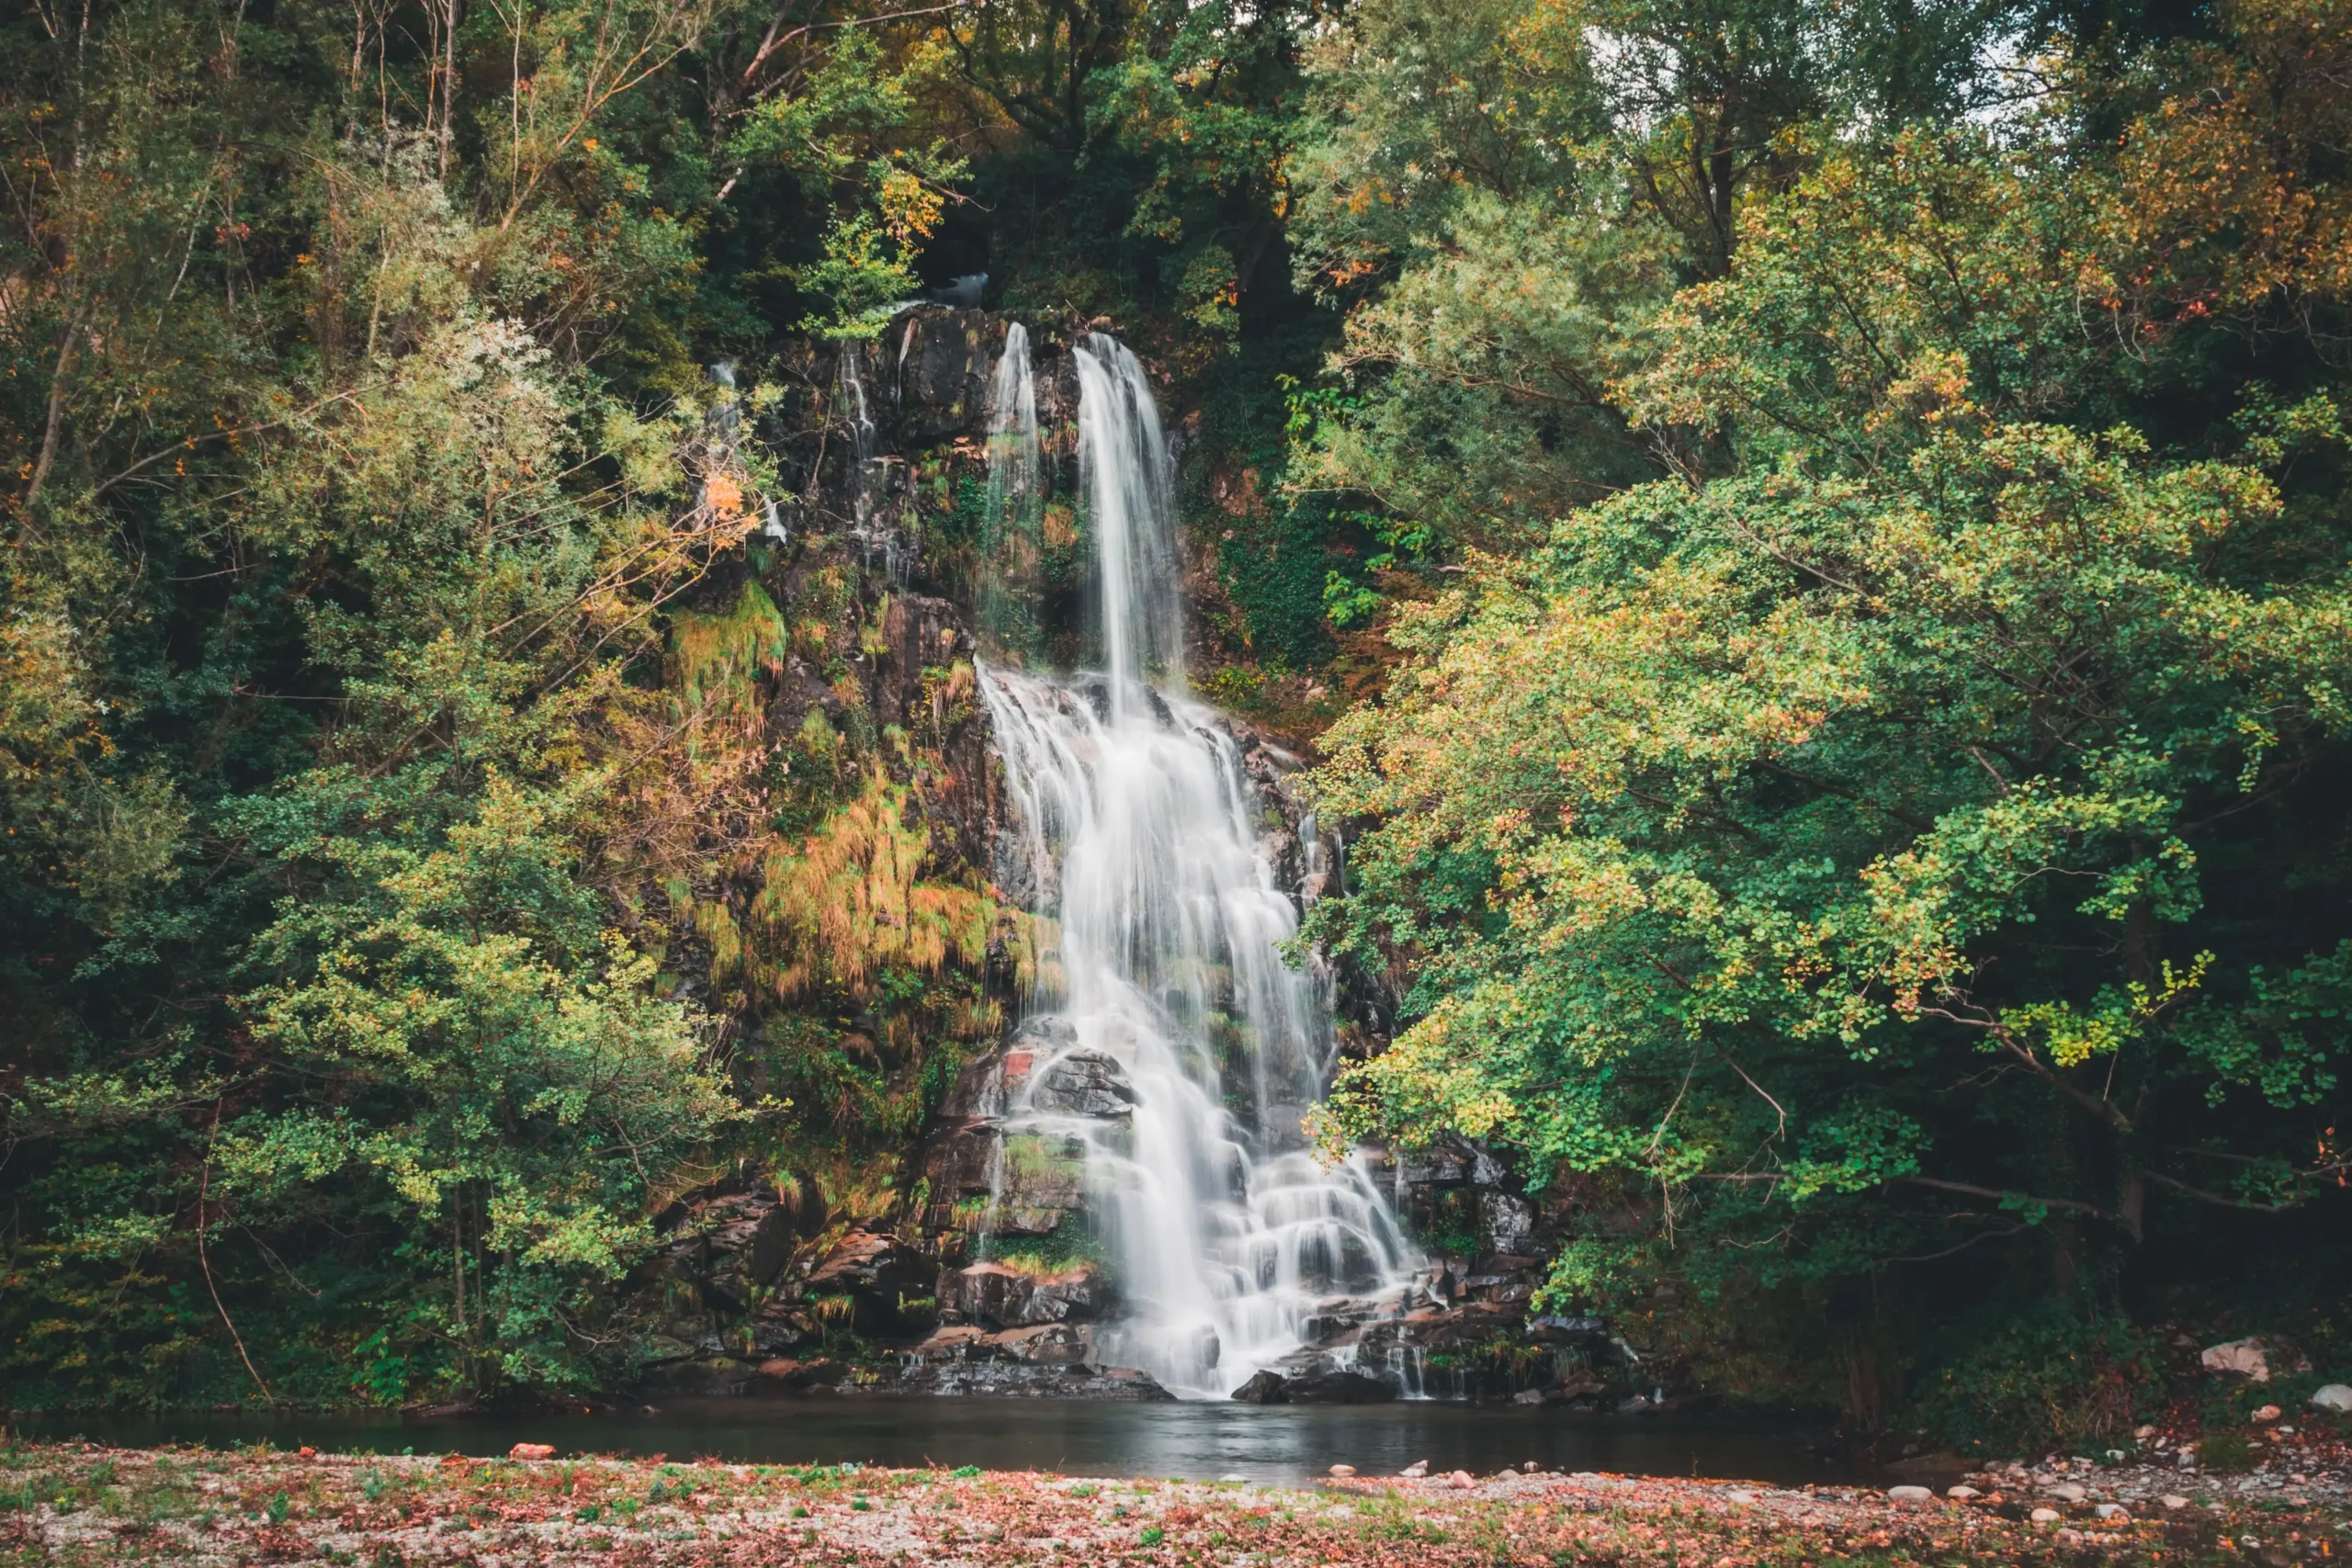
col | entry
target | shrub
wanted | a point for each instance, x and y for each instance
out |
(2055, 1379)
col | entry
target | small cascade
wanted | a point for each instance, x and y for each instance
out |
(876, 539)
(1130, 489)
(1012, 544)
(1171, 1047)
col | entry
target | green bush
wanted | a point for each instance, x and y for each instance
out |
(2055, 1378)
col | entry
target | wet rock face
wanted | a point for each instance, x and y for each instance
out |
(727, 1268)
(934, 365)
(1053, 1361)
(1039, 1344)
(865, 1261)
(996, 1297)
(1085, 1083)
(1338, 1388)
(1019, 1184)
(1002, 1379)
(1262, 1388)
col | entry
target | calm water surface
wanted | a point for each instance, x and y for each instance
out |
(1195, 1441)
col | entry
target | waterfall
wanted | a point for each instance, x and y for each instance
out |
(1011, 546)
(1124, 470)
(1171, 1046)
(875, 537)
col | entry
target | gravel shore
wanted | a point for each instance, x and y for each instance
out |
(86, 1504)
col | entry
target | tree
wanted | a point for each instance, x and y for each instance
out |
(1889, 849)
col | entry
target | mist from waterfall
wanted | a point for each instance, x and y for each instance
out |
(1137, 831)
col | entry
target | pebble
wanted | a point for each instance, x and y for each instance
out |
(2174, 1500)
(1740, 1495)
(531, 1450)
(1963, 1492)
(1460, 1480)
(1224, 1477)
(2335, 1396)
(2115, 1512)
(1909, 1494)
(2068, 1491)
(2267, 1413)
(2047, 1515)
(1344, 1470)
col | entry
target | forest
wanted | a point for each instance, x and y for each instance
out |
(1806, 547)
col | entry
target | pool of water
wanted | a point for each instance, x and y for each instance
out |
(1195, 1441)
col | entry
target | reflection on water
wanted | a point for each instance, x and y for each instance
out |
(1197, 1440)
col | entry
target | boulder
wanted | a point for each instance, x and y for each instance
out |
(951, 1339)
(720, 1376)
(1909, 1494)
(1001, 1297)
(1084, 1083)
(2336, 1397)
(1044, 1345)
(1262, 1388)
(1002, 1378)
(531, 1450)
(778, 1327)
(1336, 1388)
(2240, 1357)
(863, 1260)
(770, 1245)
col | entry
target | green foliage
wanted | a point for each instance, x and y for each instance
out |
(1885, 839)
(359, 477)
(1505, 194)
(2049, 1379)
(1872, 597)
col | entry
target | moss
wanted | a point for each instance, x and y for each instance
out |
(1068, 1245)
(717, 660)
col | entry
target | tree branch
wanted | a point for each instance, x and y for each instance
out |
(1971, 1189)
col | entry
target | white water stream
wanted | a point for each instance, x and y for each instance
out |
(1138, 831)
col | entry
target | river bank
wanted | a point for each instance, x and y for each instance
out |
(93, 1506)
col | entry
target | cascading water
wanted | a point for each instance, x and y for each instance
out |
(873, 536)
(1204, 1050)
(1011, 543)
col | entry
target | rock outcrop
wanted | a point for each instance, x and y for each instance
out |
(993, 1296)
